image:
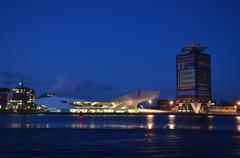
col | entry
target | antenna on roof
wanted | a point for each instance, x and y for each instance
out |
(194, 47)
(21, 84)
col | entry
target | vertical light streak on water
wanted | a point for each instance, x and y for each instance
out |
(238, 123)
(150, 121)
(171, 122)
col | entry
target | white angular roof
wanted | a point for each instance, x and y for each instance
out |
(134, 98)
(56, 103)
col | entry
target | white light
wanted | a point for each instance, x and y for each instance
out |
(210, 116)
(210, 127)
(171, 126)
(171, 116)
(238, 118)
(238, 103)
(171, 102)
(150, 126)
(150, 116)
(150, 102)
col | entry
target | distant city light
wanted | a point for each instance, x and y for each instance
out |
(238, 103)
(171, 102)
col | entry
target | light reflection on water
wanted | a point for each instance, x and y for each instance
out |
(27, 125)
(141, 136)
(171, 122)
(149, 122)
(238, 123)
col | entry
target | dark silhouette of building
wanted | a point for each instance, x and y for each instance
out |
(193, 77)
(166, 105)
(4, 93)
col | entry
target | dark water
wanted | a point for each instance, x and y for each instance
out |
(118, 136)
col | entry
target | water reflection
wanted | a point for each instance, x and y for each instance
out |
(27, 125)
(238, 123)
(210, 127)
(102, 126)
(210, 116)
(171, 122)
(210, 123)
(189, 122)
(15, 125)
(95, 123)
(150, 121)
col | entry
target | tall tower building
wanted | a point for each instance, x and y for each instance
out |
(193, 78)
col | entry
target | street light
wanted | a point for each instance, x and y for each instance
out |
(238, 103)
(171, 102)
(150, 102)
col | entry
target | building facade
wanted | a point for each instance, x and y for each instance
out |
(4, 93)
(193, 78)
(22, 98)
(166, 105)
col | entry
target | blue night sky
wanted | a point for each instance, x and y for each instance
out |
(98, 45)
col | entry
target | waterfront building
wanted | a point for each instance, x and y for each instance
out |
(219, 109)
(22, 98)
(4, 93)
(166, 104)
(55, 104)
(124, 104)
(236, 102)
(193, 68)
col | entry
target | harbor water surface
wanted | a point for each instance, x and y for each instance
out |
(42, 135)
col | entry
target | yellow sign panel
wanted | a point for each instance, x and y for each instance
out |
(187, 79)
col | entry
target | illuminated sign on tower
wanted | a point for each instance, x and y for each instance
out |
(193, 73)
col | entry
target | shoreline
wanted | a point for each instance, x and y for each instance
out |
(123, 114)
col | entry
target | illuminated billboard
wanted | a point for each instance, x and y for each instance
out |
(187, 79)
(186, 75)
(193, 75)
